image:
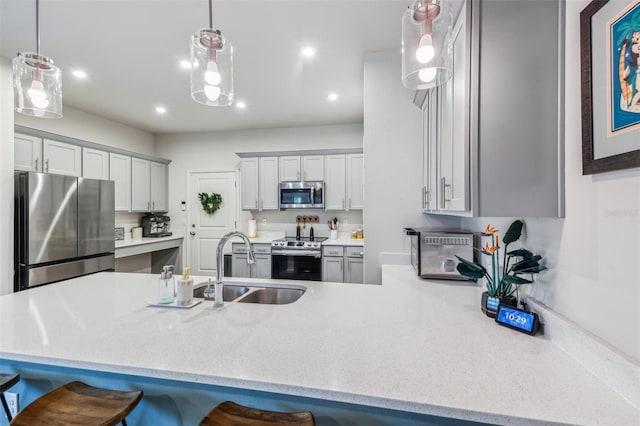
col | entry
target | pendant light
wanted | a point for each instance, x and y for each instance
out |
(37, 83)
(426, 44)
(211, 66)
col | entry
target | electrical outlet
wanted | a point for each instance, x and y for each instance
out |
(264, 221)
(12, 402)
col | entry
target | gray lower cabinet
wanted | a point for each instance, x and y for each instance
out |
(343, 264)
(333, 264)
(354, 260)
(262, 267)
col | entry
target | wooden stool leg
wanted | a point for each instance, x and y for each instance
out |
(6, 407)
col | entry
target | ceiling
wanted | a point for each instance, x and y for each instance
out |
(131, 52)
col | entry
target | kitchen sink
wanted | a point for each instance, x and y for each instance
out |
(273, 296)
(230, 292)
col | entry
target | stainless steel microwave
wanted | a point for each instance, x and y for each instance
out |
(302, 195)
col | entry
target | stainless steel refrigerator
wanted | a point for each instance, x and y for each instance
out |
(63, 228)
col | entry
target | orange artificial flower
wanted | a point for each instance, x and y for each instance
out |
(490, 230)
(489, 249)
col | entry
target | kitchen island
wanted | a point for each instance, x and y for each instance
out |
(410, 346)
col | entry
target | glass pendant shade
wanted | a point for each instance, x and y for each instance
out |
(426, 44)
(211, 68)
(37, 86)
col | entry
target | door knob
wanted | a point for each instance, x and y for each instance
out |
(192, 233)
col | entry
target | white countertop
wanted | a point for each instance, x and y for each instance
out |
(411, 345)
(141, 241)
(343, 242)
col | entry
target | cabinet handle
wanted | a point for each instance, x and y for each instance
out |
(36, 164)
(349, 203)
(424, 197)
(261, 204)
(343, 204)
(256, 204)
(341, 265)
(443, 186)
(148, 205)
(153, 205)
(46, 165)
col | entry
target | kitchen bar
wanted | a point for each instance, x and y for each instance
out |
(435, 352)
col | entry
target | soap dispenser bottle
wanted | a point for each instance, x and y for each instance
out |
(166, 286)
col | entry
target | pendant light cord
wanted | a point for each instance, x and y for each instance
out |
(38, 26)
(210, 14)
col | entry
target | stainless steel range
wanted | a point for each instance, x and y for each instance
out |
(297, 259)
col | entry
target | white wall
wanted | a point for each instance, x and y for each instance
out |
(93, 128)
(392, 162)
(217, 151)
(6, 176)
(75, 124)
(593, 254)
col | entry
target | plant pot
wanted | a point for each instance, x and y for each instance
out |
(489, 304)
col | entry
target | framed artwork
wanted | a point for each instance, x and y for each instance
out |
(610, 60)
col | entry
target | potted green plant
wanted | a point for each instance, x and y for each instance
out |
(503, 282)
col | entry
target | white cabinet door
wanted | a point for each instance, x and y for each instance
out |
(250, 187)
(62, 158)
(269, 184)
(335, 182)
(333, 269)
(454, 137)
(430, 152)
(313, 168)
(27, 153)
(120, 174)
(290, 169)
(355, 182)
(354, 273)
(158, 182)
(140, 191)
(95, 164)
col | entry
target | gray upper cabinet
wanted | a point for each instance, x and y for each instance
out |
(28, 153)
(493, 135)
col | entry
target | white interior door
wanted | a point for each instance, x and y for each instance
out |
(205, 231)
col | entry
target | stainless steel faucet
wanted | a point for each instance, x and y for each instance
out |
(219, 286)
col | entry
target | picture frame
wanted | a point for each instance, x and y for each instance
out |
(610, 81)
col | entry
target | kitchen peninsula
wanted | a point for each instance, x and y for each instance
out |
(405, 351)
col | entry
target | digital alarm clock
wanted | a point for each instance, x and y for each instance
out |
(517, 319)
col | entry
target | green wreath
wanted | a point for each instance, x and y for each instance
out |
(210, 203)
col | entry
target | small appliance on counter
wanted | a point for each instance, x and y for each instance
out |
(154, 225)
(433, 252)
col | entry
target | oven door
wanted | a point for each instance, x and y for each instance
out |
(296, 265)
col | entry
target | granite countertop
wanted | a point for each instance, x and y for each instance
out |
(409, 344)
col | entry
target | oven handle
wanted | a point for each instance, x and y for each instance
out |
(308, 253)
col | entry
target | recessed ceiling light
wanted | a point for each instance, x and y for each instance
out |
(161, 110)
(79, 74)
(185, 64)
(332, 97)
(241, 105)
(308, 51)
